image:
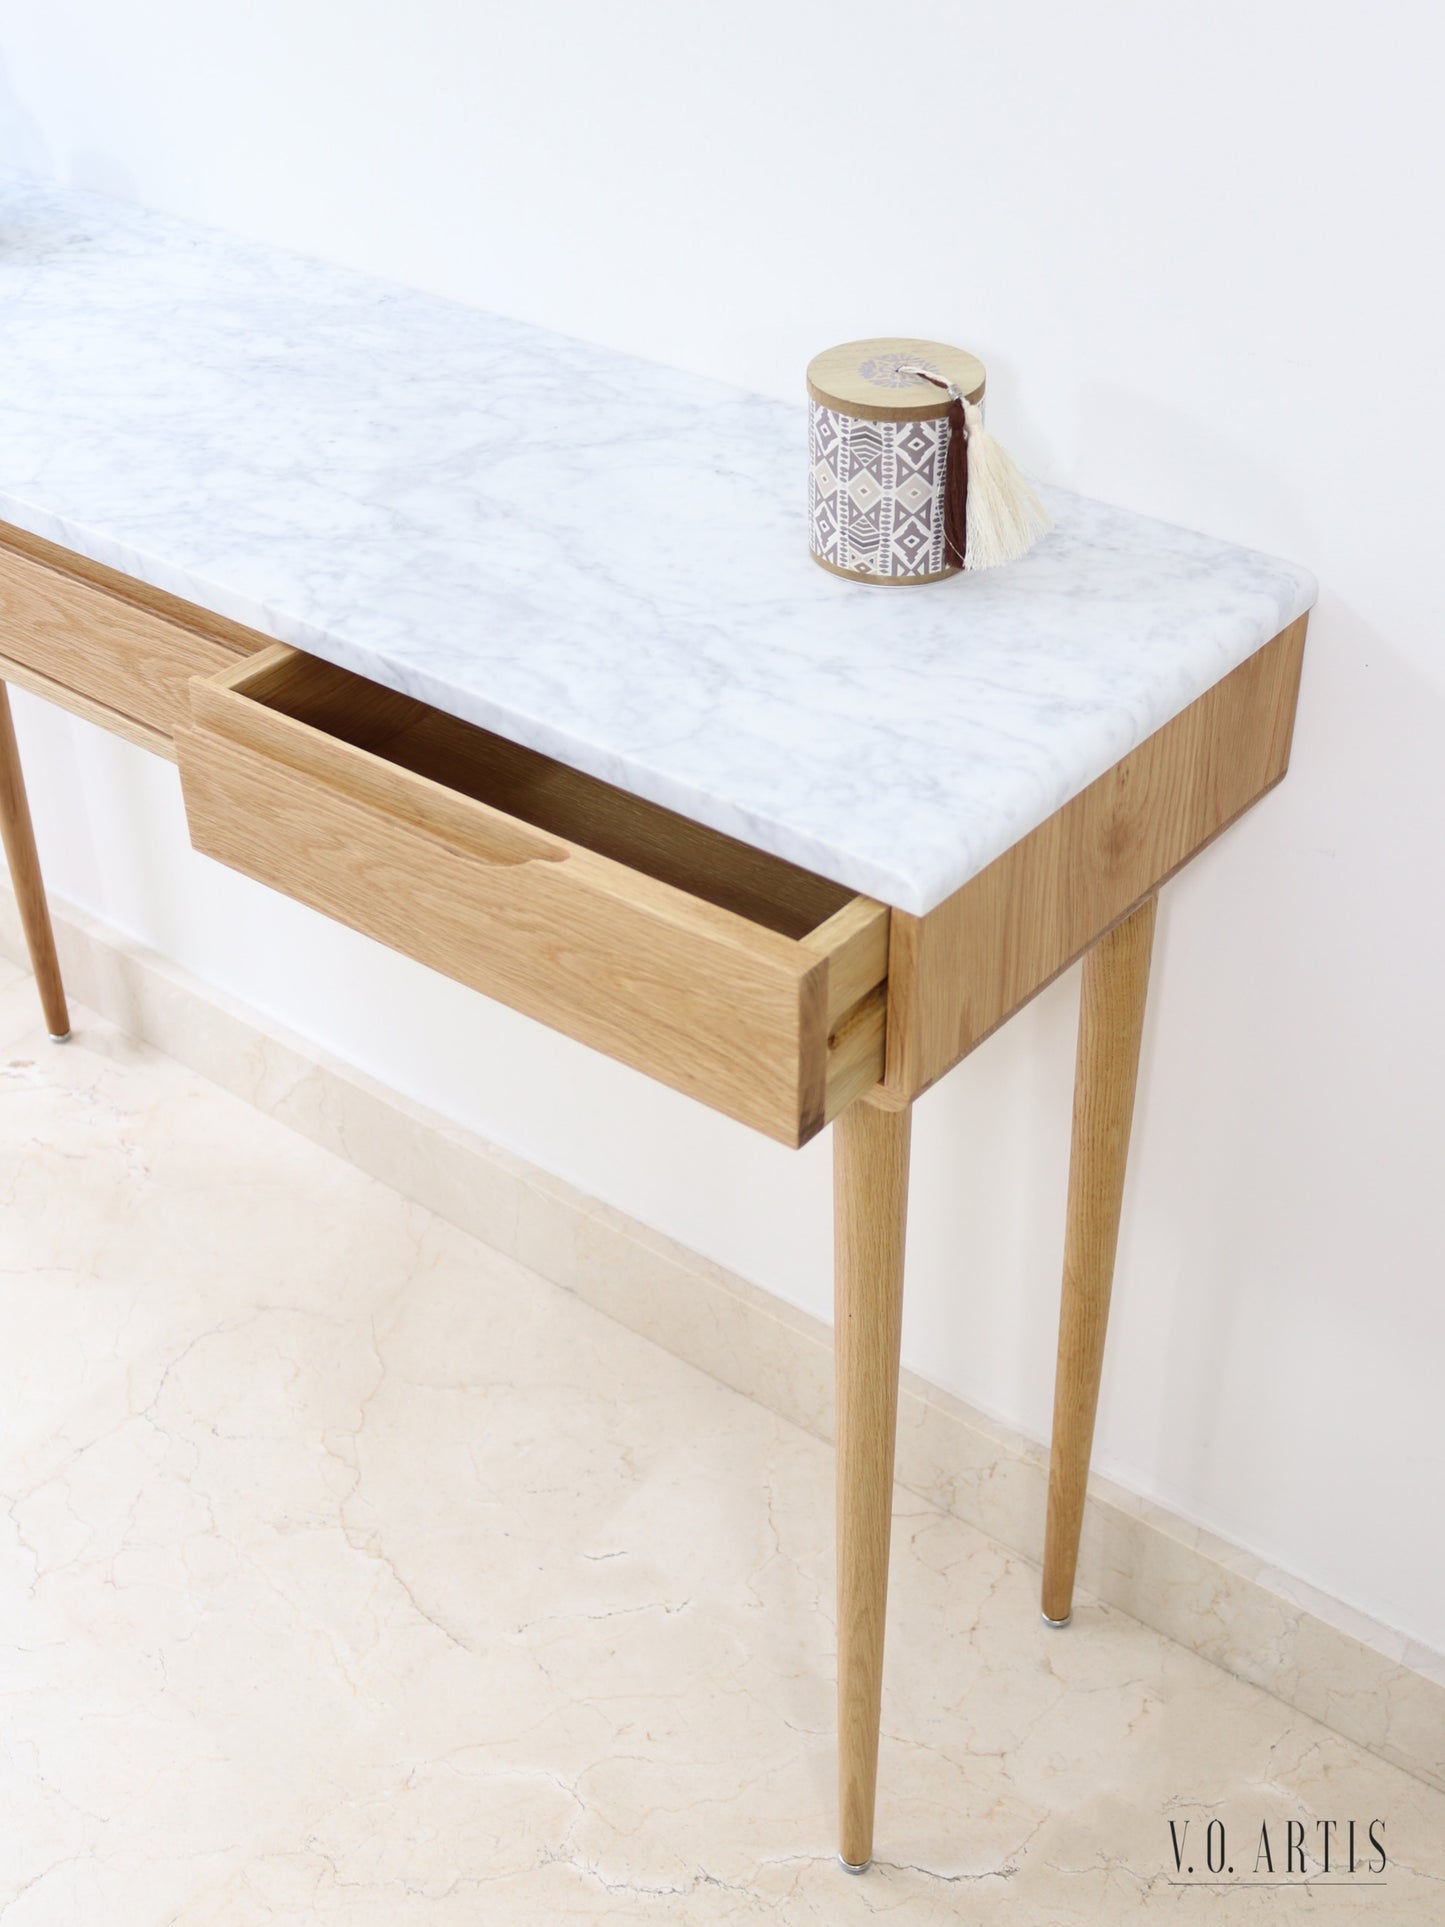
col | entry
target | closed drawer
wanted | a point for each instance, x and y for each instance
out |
(731, 975)
(103, 638)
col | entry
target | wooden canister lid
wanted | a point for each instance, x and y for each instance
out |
(862, 378)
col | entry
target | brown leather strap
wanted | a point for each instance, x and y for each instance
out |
(955, 484)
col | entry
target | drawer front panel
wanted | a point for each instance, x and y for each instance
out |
(107, 649)
(737, 1016)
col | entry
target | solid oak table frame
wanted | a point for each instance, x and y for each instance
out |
(770, 994)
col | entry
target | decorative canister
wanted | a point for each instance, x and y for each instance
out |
(904, 482)
(878, 455)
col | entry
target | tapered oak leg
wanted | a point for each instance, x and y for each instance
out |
(1111, 1023)
(19, 839)
(870, 1212)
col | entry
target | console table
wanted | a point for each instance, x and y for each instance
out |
(508, 651)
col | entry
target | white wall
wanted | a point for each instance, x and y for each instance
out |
(1199, 250)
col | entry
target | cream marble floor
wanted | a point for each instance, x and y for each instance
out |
(352, 1574)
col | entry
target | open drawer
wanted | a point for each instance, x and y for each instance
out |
(723, 971)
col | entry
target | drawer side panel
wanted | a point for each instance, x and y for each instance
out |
(956, 974)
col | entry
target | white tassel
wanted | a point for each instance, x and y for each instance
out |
(1004, 516)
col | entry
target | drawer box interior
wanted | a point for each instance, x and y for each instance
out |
(552, 797)
(724, 971)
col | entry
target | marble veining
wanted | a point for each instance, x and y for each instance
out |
(1364, 1680)
(353, 1576)
(590, 554)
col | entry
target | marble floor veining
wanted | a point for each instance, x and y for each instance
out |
(351, 1574)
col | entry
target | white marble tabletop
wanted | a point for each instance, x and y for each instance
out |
(593, 555)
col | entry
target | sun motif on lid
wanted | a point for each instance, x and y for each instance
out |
(886, 371)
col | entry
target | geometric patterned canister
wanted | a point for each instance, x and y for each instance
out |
(877, 449)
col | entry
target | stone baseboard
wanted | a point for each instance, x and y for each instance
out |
(1371, 1684)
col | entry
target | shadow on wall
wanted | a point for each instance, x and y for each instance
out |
(1211, 472)
(22, 145)
(24, 148)
(1285, 1219)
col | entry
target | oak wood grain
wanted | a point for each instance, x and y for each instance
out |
(957, 973)
(102, 715)
(870, 1215)
(522, 783)
(18, 836)
(1111, 1025)
(631, 830)
(119, 586)
(113, 651)
(680, 985)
